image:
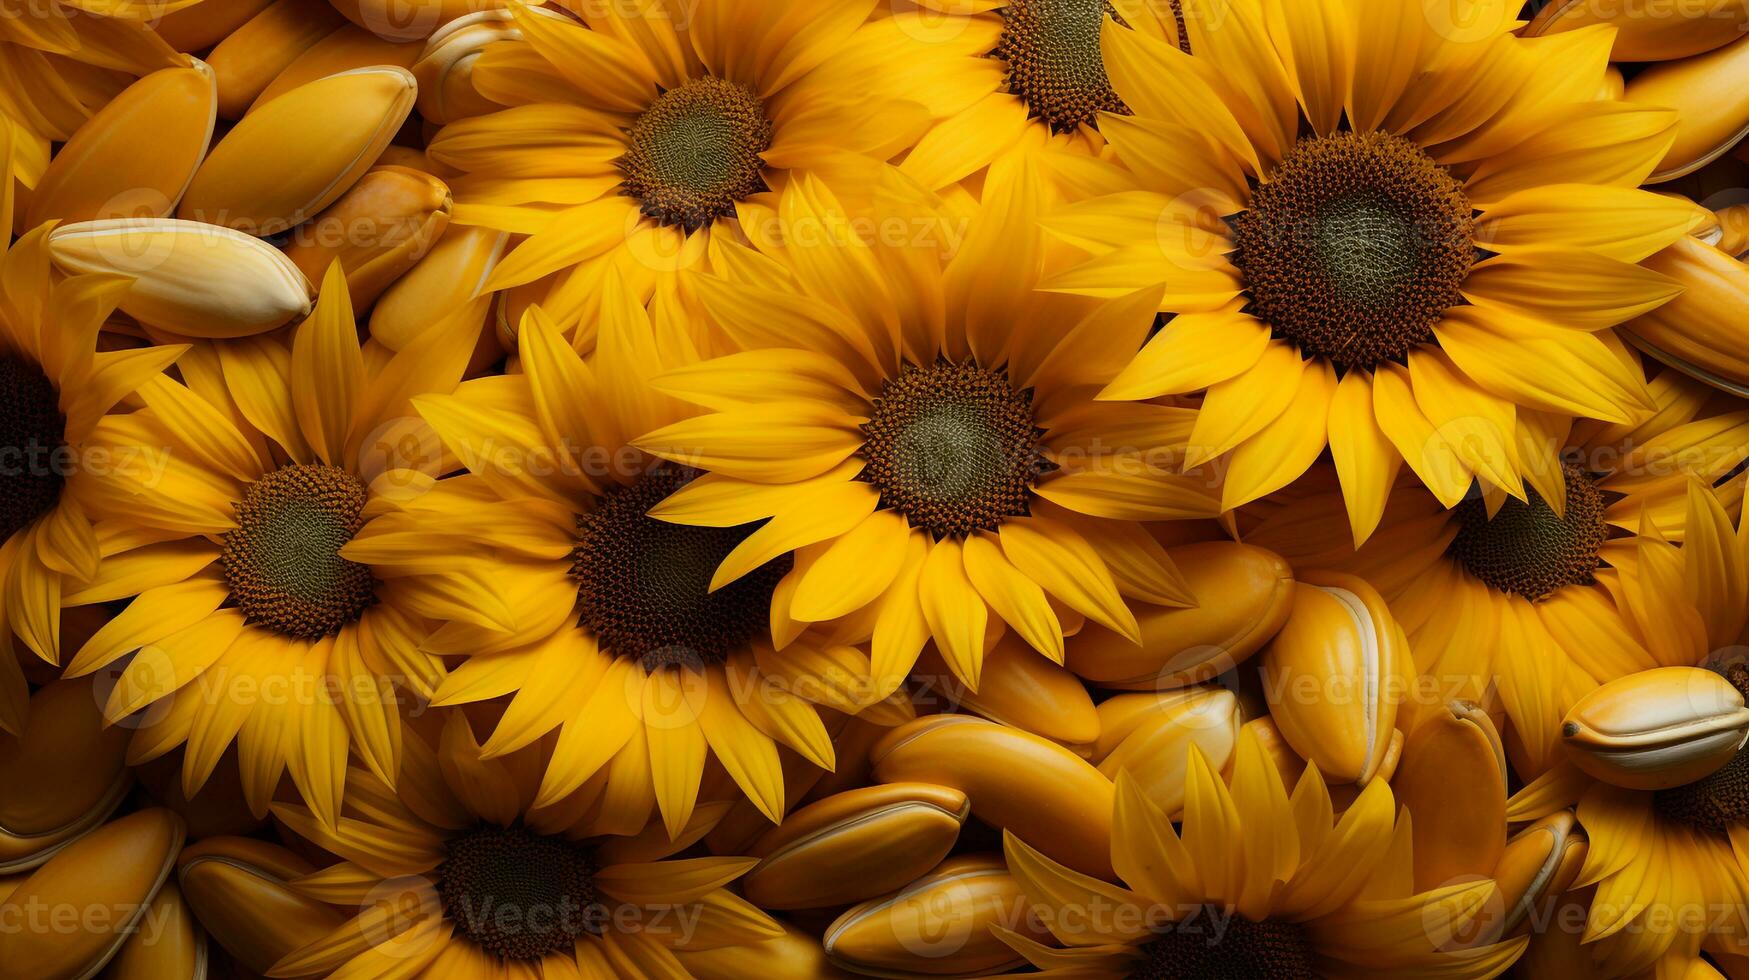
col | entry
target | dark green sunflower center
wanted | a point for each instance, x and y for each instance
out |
(1354, 246)
(517, 894)
(1525, 548)
(283, 562)
(1051, 49)
(1212, 946)
(32, 433)
(643, 585)
(695, 152)
(1721, 798)
(953, 447)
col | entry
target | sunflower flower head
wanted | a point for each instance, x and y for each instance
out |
(613, 139)
(1359, 250)
(920, 443)
(625, 641)
(277, 554)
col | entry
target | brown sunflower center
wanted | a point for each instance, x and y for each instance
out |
(643, 585)
(1354, 246)
(695, 152)
(1525, 548)
(1212, 946)
(953, 447)
(282, 561)
(1051, 48)
(32, 432)
(517, 894)
(1721, 798)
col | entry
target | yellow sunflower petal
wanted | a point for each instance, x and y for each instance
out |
(1622, 223)
(1056, 557)
(327, 369)
(1316, 43)
(1056, 886)
(1191, 352)
(673, 882)
(854, 570)
(1016, 598)
(1591, 292)
(1366, 462)
(1546, 367)
(1288, 445)
(956, 614)
(833, 510)
(1237, 409)
(770, 443)
(677, 744)
(1420, 444)
(748, 754)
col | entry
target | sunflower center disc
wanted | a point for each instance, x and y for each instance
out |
(517, 894)
(1205, 947)
(32, 430)
(1355, 246)
(1525, 549)
(283, 562)
(695, 152)
(953, 447)
(643, 585)
(1713, 802)
(1051, 48)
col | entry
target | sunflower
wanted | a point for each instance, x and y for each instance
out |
(1541, 598)
(655, 122)
(461, 875)
(1031, 75)
(922, 440)
(59, 390)
(619, 644)
(1376, 231)
(286, 553)
(1256, 883)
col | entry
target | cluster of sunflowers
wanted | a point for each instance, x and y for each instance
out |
(765, 489)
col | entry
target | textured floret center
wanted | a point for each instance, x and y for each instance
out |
(695, 152)
(1529, 550)
(1051, 50)
(953, 446)
(32, 434)
(643, 585)
(1355, 246)
(517, 894)
(1212, 946)
(282, 561)
(1719, 799)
